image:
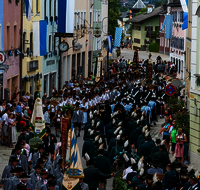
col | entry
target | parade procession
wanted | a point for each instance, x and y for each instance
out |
(99, 95)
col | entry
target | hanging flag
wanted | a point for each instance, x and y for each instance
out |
(40, 38)
(184, 4)
(118, 36)
(66, 16)
(110, 43)
(28, 4)
(163, 25)
(37, 124)
(169, 23)
(71, 180)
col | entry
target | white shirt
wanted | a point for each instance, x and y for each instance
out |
(126, 172)
(4, 118)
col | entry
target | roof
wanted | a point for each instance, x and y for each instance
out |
(145, 16)
(139, 5)
(124, 15)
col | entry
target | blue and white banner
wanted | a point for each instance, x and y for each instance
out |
(169, 24)
(66, 16)
(110, 43)
(184, 4)
(40, 38)
(75, 169)
(118, 36)
(28, 4)
(163, 25)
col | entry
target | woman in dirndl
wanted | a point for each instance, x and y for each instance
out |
(181, 139)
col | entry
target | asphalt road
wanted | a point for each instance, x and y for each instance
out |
(128, 54)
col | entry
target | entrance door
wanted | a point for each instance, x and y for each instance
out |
(52, 82)
(83, 65)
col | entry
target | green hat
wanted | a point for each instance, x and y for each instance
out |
(43, 172)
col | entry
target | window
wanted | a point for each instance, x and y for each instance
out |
(91, 19)
(8, 38)
(175, 16)
(81, 18)
(157, 28)
(137, 28)
(33, 65)
(181, 16)
(50, 43)
(45, 83)
(96, 16)
(31, 42)
(84, 18)
(45, 8)
(24, 7)
(0, 39)
(149, 28)
(24, 41)
(55, 6)
(15, 36)
(37, 6)
(49, 7)
(136, 40)
(75, 21)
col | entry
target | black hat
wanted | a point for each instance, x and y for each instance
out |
(41, 146)
(51, 176)
(158, 141)
(14, 158)
(52, 183)
(155, 162)
(18, 147)
(162, 146)
(191, 175)
(24, 175)
(40, 161)
(60, 161)
(21, 186)
(19, 169)
(37, 166)
(48, 130)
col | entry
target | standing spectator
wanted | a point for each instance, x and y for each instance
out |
(77, 119)
(173, 132)
(49, 139)
(11, 124)
(4, 124)
(181, 139)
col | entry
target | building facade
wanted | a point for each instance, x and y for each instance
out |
(77, 61)
(188, 54)
(11, 34)
(194, 139)
(164, 46)
(50, 62)
(31, 65)
(144, 27)
(177, 47)
(1, 49)
(97, 25)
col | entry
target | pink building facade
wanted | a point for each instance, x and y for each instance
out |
(11, 46)
(177, 46)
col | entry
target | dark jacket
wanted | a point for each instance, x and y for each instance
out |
(92, 176)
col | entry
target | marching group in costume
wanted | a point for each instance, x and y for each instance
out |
(116, 116)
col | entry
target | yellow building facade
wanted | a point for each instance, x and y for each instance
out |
(31, 65)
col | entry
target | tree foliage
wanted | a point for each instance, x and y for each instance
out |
(142, 11)
(114, 16)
